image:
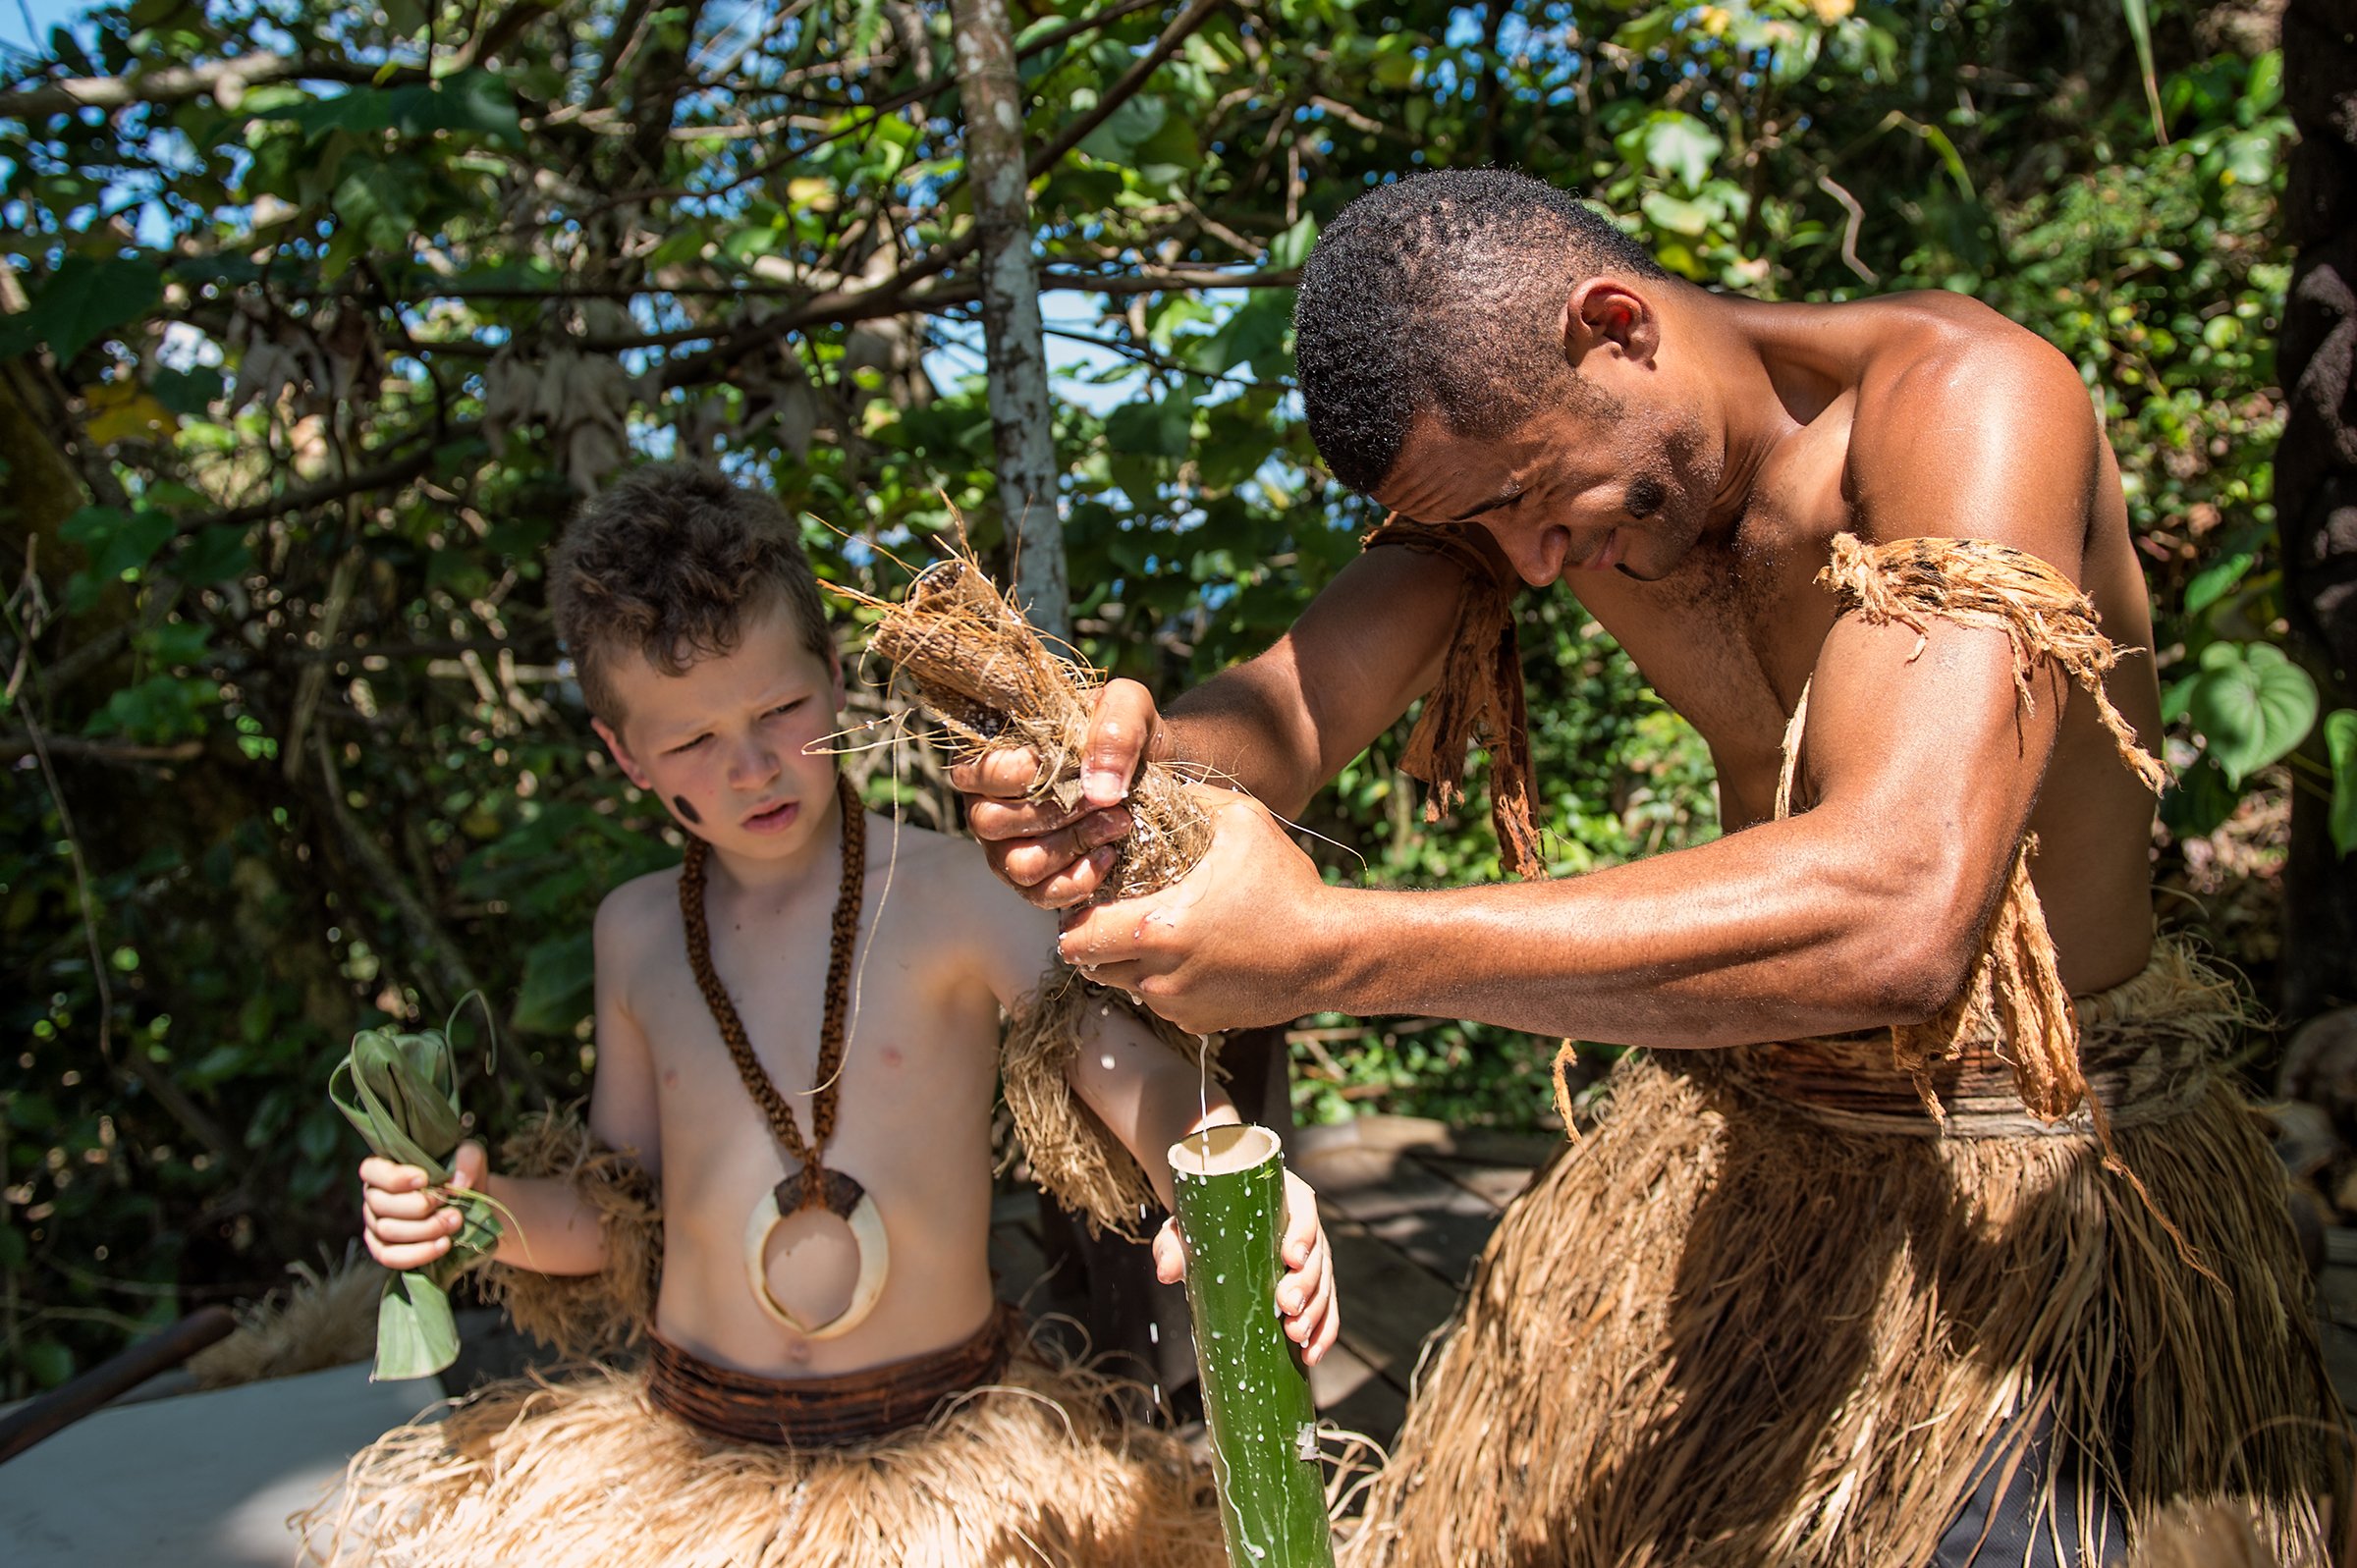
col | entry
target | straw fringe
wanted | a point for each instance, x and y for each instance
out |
(587, 1315)
(1071, 1153)
(530, 1474)
(328, 1319)
(2215, 1536)
(1717, 1334)
(2014, 990)
(1979, 582)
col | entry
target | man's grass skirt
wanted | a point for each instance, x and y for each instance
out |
(1769, 1312)
(1035, 1468)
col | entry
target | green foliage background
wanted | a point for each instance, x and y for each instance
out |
(305, 368)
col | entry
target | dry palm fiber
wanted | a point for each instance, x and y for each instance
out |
(1733, 1326)
(2215, 1536)
(995, 686)
(1071, 1153)
(1478, 699)
(1029, 1471)
(584, 1315)
(328, 1319)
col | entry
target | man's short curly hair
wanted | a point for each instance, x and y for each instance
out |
(1444, 291)
(668, 563)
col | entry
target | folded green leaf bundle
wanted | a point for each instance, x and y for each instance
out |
(399, 1092)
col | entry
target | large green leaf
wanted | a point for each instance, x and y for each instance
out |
(1675, 145)
(2252, 705)
(556, 984)
(84, 299)
(118, 542)
(1158, 429)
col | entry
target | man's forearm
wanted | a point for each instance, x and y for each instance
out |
(1233, 733)
(1772, 934)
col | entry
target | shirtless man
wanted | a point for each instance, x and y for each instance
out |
(1479, 350)
(706, 658)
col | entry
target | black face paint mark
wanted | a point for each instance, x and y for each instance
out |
(679, 804)
(1645, 496)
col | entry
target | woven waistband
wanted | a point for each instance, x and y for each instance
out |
(2150, 1049)
(824, 1412)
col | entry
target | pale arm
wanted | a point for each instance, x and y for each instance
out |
(546, 1225)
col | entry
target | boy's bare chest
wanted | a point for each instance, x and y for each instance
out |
(915, 1064)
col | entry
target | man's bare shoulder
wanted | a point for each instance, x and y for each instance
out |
(1968, 424)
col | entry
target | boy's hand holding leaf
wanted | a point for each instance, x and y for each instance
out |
(399, 1092)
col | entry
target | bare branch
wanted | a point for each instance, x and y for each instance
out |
(180, 83)
(1071, 136)
(14, 746)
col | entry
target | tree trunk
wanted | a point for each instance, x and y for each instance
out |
(2316, 480)
(1013, 337)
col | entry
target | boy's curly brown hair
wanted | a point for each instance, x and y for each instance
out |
(668, 562)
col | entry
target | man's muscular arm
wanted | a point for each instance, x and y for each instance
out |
(1863, 911)
(1279, 726)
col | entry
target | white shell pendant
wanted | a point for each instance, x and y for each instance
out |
(849, 1202)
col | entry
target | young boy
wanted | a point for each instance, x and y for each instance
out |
(803, 1059)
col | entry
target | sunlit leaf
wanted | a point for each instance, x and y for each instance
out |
(2252, 705)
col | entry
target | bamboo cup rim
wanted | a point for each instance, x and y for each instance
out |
(1223, 1151)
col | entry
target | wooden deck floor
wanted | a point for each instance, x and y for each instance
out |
(1408, 1204)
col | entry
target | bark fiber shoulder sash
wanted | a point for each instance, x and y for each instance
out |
(2014, 992)
(1073, 1154)
(1479, 697)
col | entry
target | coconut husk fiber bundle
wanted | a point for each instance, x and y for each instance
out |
(1029, 1470)
(1796, 1303)
(326, 1319)
(995, 686)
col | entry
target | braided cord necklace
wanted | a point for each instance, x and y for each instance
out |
(813, 1186)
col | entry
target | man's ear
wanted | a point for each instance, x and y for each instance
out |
(1607, 314)
(621, 754)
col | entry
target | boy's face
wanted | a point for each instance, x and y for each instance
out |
(723, 744)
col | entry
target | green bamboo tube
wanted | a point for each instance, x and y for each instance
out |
(1230, 1192)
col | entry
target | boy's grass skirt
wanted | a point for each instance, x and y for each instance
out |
(1031, 1468)
(1767, 1312)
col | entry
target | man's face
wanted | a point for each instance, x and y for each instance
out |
(727, 744)
(1571, 491)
